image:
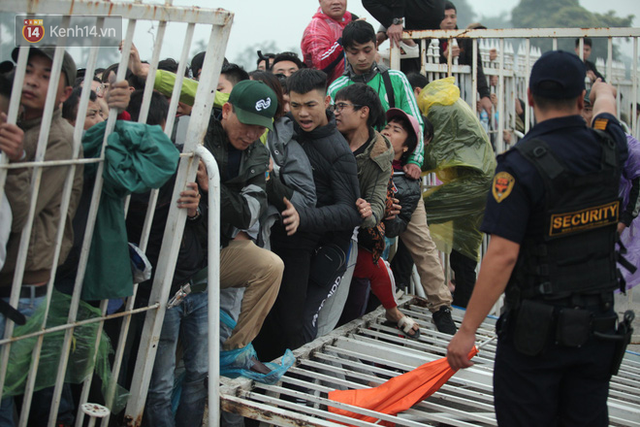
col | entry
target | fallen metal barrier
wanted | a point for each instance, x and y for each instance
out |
(365, 353)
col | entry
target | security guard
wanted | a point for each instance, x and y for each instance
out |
(552, 214)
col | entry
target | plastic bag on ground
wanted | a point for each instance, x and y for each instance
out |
(235, 363)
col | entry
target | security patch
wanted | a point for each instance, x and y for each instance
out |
(503, 183)
(584, 219)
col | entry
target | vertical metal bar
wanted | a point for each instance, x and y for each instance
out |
(394, 56)
(609, 59)
(171, 241)
(581, 48)
(554, 42)
(124, 330)
(12, 116)
(14, 106)
(527, 109)
(634, 82)
(474, 75)
(77, 138)
(66, 195)
(177, 87)
(95, 201)
(151, 77)
(511, 103)
(213, 284)
(423, 57)
(449, 57)
(43, 137)
(501, 114)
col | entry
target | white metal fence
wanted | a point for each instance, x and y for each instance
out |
(506, 57)
(512, 66)
(219, 22)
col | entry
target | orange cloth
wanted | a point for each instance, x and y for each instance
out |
(399, 393)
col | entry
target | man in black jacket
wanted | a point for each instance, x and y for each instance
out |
(327, 227)
(592, 71)
(243, 161)
(464, 51)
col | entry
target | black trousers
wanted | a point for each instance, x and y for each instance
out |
(418, 14)
(282, 328)
(564, 386)
(402, 266)
(464, 269)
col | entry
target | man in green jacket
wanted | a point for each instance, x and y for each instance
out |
(359, 41)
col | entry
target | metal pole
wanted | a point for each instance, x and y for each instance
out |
(213, 284)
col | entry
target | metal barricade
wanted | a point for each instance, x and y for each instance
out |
(511, 68)
(219, 21)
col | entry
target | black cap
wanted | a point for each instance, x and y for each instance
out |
(68, 64)
(558, 75)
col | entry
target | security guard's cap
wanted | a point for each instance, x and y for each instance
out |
(558, 75)
(254, 103)
(68, 64)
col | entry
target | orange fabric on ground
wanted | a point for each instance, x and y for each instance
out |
(399, 393)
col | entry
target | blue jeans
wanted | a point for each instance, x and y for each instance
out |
(26, 306)
(188, 321)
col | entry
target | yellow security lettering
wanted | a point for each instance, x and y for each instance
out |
(575, 220)
(557, 222)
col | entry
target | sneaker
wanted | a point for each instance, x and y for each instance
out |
(407, 51)
(443, 321)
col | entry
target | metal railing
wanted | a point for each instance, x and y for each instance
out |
(512, 67)
(507, 69)
(220, 22)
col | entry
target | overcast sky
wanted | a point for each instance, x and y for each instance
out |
(284, 21)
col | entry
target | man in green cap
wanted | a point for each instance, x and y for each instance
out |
(243, 162)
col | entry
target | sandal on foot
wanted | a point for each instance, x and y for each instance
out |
(405, 325)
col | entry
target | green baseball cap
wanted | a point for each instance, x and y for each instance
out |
(254, 103)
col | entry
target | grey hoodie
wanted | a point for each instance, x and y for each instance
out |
(291, 176)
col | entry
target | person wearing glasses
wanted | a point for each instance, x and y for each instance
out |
(358, 109)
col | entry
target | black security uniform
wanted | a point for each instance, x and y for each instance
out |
(555, 194)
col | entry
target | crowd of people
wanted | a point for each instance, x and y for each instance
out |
(320, 160)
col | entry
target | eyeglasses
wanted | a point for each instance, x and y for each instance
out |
(339, 106)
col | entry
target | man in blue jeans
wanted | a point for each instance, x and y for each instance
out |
(187, 321)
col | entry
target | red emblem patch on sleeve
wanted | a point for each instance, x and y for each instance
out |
(502, 185)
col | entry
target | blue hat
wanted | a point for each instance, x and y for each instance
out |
(558, 75)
